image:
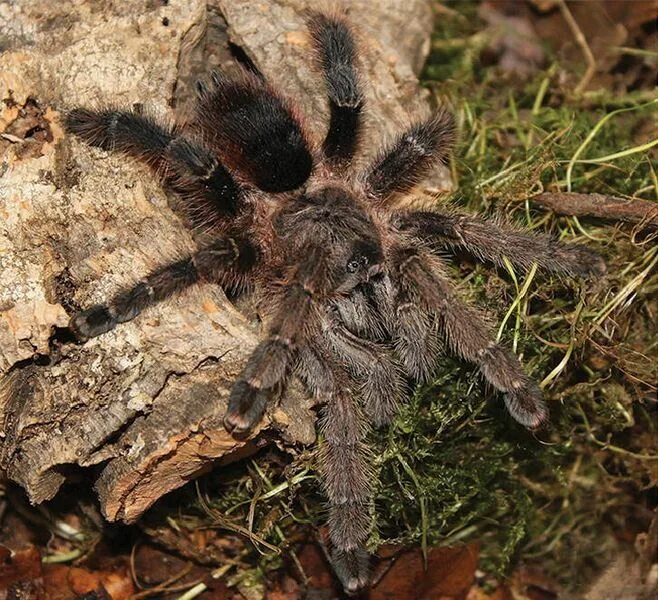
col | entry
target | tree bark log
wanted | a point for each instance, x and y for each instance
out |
(144, 403)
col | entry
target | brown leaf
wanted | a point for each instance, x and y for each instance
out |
(56, 583)
(152, 566)
(449, 575)
(530, 583)
(479, 593)
(18, 569)
(64, 583)
(316, 568)
(545, 5)
(632, 14)
(513, 40)
(286, 589)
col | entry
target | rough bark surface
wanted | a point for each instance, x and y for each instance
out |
(143, 403)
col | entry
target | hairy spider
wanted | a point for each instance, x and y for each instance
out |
(355, 293)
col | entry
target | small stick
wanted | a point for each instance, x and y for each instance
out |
(584, 46)
(633, 210)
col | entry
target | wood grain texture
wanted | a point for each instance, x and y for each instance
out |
(144, 403)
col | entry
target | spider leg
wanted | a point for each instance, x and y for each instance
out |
(422, 278)
(254, 130)
(372, 365)
(345, 464)
(403, 164)
(226, 261)
(416, 339)
(493, 242)
(377, 313)
(346, 474)
(295, 320)
(336, 56)
(187, 166)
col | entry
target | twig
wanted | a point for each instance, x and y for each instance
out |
(582, 42)
(633, 210)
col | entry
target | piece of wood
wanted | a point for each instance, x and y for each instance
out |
(601, 206)
(143, 403)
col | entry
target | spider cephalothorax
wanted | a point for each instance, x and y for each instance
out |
(354, 292)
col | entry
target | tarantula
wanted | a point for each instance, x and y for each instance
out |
(355, 294)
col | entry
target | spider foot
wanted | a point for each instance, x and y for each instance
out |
(527, 406)
(92, 322)
(352, 568)
(586, 262)
(246, 405)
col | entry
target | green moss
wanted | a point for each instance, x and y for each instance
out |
(562, 499)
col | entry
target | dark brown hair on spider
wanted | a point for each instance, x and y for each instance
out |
(355, 291)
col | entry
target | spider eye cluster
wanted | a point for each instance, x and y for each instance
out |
(357, 262)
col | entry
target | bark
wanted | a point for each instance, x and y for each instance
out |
(601, 206)
(143, 403)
